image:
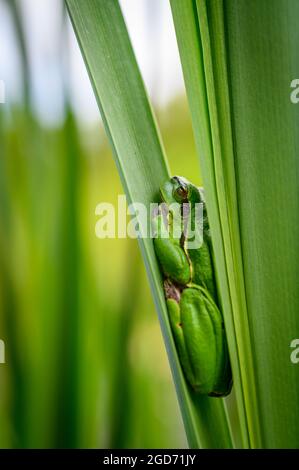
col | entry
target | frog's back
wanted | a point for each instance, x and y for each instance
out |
(202, 268)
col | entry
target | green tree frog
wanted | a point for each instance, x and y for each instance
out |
(190, 288)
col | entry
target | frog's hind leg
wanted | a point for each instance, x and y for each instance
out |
(176, 326)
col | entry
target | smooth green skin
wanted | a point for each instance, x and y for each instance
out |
(191, 296)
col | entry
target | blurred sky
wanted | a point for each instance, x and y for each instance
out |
(55, 57)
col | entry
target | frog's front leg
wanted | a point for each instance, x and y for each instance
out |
(172, 258)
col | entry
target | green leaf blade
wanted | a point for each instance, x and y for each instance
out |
(142, 166)
(194, 47)
(238, 82)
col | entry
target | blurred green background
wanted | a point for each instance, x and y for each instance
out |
(85, 361)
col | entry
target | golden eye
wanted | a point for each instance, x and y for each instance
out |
(181, 193)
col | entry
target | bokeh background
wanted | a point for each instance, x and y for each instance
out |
(85, 360)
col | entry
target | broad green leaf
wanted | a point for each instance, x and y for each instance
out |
(238, 59)
(263, 59)
(140, 159)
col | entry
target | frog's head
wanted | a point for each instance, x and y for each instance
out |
(179, 189)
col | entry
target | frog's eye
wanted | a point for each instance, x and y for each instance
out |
(181, 193)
